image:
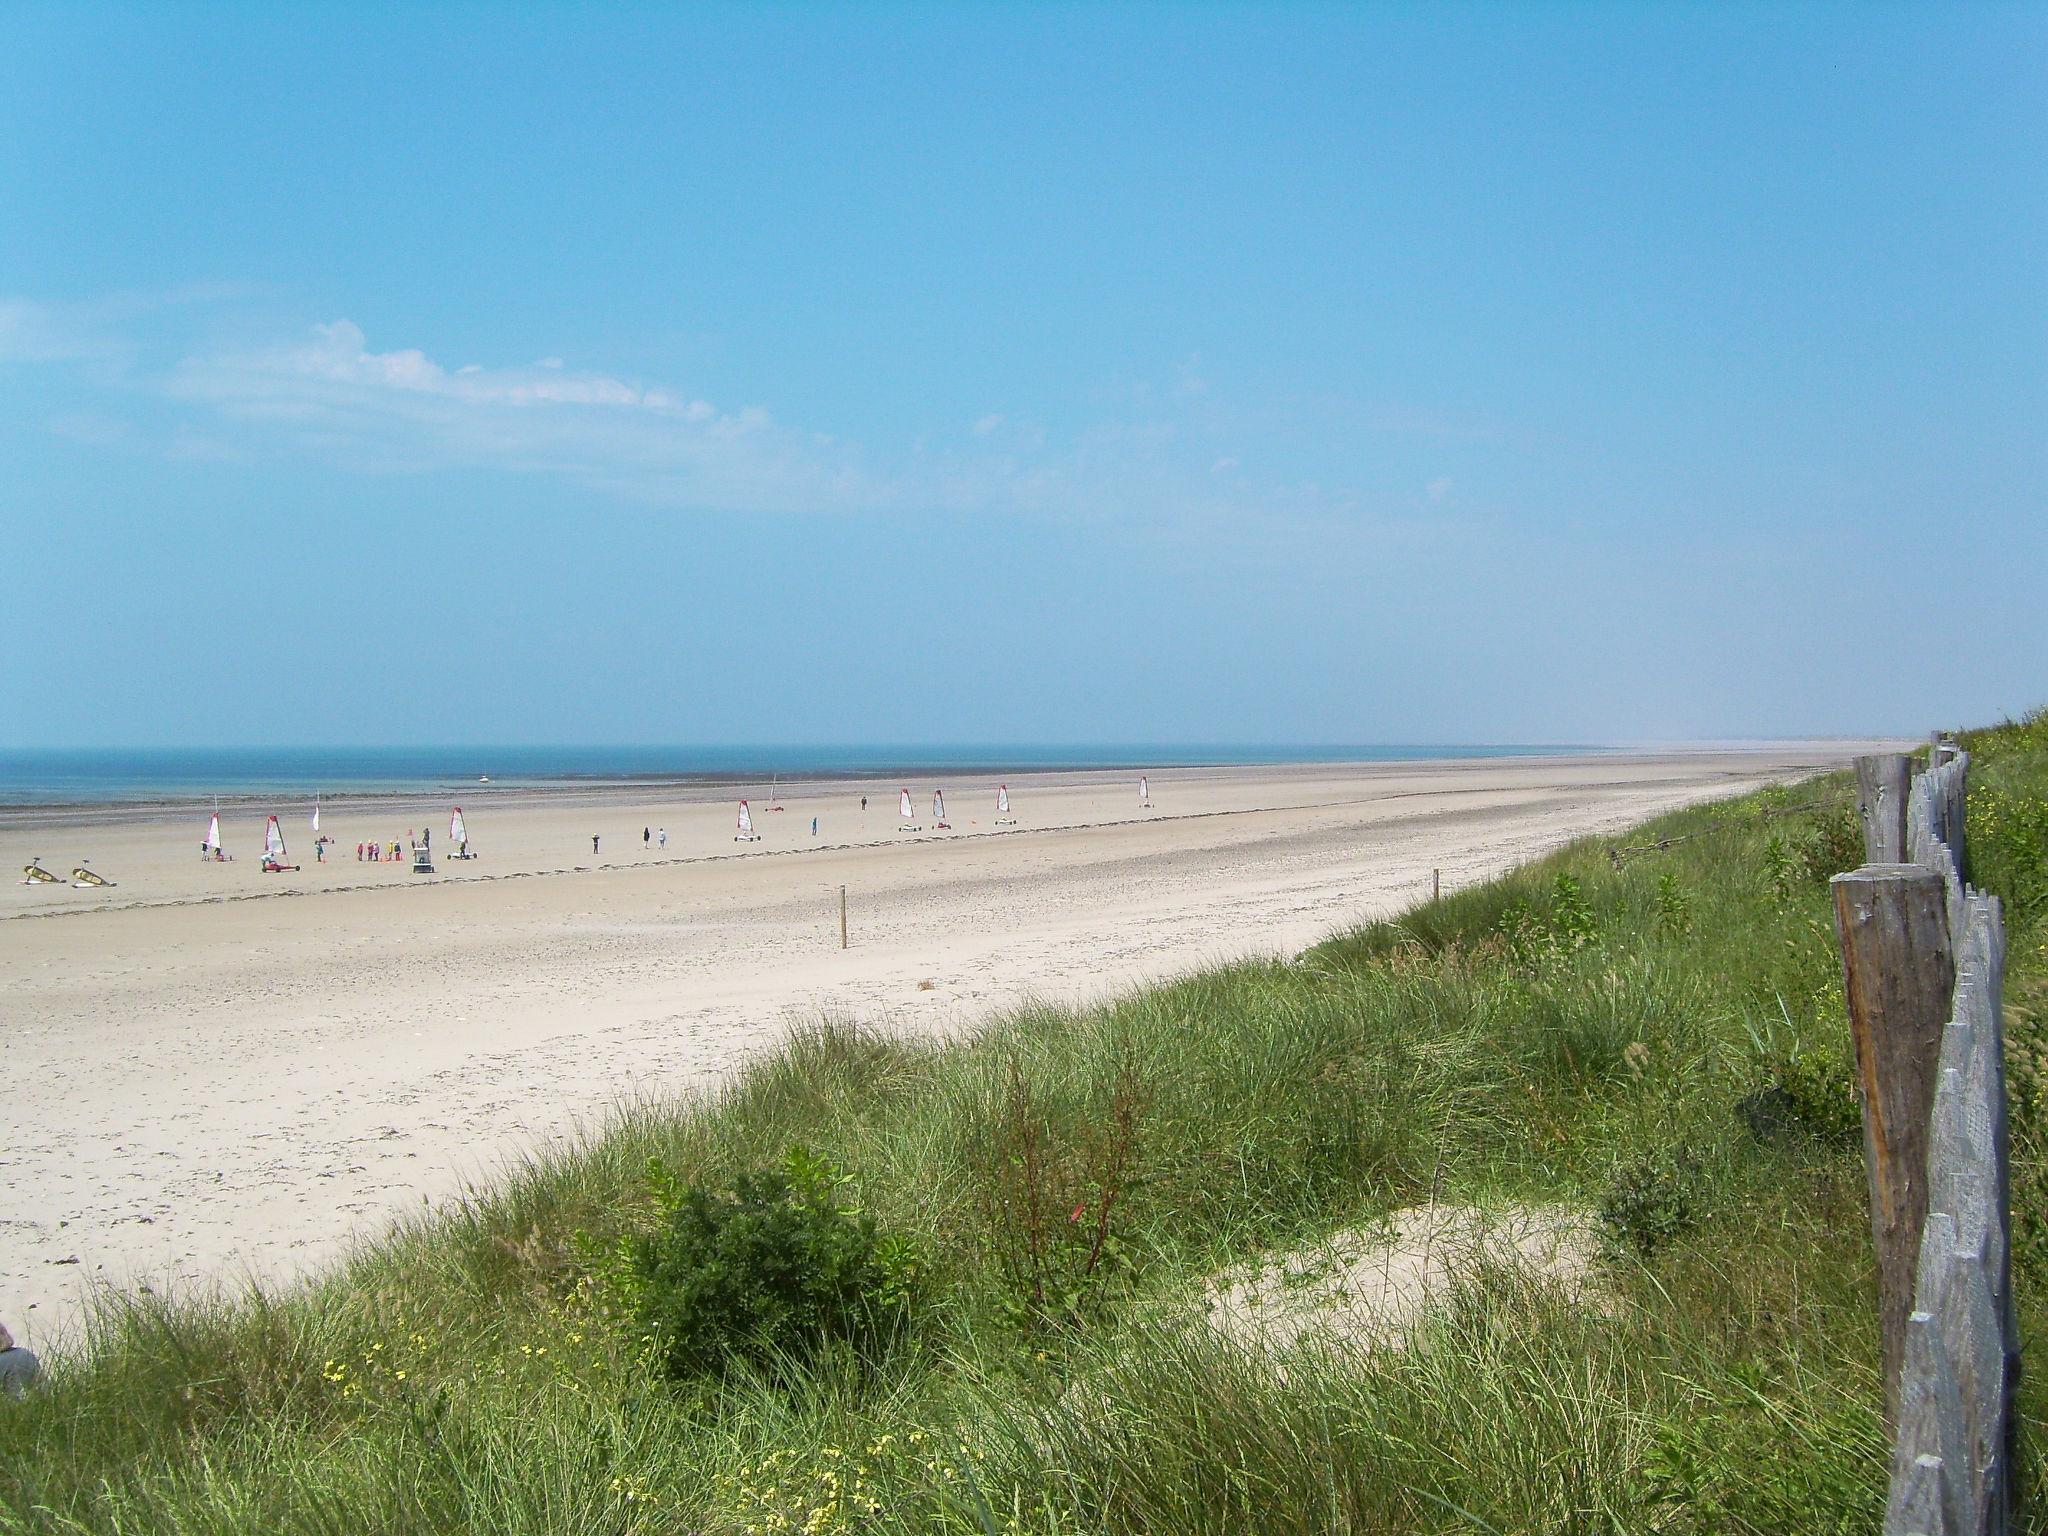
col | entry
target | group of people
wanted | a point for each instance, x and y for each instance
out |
(374, 853)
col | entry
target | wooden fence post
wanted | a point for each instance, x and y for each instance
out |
(1899, 976)
(842, 917)
(1883, 782)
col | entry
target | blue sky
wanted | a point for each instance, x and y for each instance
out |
(1021, 373)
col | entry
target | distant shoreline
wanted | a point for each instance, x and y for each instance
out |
(36, 788)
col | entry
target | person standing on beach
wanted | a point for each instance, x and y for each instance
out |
(661, 837)
(593, 845)
(863, 804)
(646, 837)
(814, 826)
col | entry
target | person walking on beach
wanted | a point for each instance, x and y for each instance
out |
(661, 837)
(646, 837)
(593, 845)
(814, 826)
(863, 804)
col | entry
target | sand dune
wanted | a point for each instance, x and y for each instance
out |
(217, 1073)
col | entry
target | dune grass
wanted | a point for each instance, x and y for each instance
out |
(1660, 1038)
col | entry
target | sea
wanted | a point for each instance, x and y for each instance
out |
(173, 775)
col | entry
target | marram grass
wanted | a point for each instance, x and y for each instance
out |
(1528, 1040)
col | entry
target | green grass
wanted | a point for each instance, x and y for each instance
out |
(1508, 1042)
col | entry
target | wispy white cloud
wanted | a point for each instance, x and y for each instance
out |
(1161, 455)
(402, 410)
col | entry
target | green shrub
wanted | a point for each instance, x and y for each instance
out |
(1784, 866)
(1563, 927)
(1652, 1200)
(1836, 844)
(767, 1272)
(1051, 1201)
(1807, 1092)
(1674, 907)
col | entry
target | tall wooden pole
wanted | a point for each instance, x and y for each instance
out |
(1899, 976)
(842, 917)
(1882, 784)
(1436, 885)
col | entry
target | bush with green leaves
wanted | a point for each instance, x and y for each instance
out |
(1784, 866)
(1836, 844)
(1674, 907)
(767, 1272)
(1652, 1200)
(1561, 928)
(1804, 1092)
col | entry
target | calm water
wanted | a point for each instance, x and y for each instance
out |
(108, 776)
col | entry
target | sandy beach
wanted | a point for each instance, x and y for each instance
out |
(216, 1073)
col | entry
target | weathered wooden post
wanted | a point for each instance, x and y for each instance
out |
(1883, 783)
(1955, 808)
(842, 917)
(1899, 976)
(1436, 885)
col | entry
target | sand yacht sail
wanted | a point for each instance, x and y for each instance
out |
(210, 849)
(1003, 816)
(746, 833)
(939, 810)
(1144, 791)
(903, 809)
(274, 854)
(458, 835)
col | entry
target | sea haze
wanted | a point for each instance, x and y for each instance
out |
(109, 776)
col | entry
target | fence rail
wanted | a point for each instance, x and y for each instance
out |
(1923, 957)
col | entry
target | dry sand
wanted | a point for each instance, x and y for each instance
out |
(214, 1073)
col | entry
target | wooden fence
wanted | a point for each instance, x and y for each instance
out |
(1923, 958)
